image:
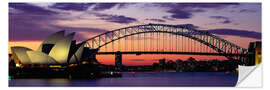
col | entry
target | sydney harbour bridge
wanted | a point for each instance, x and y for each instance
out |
(163, 39)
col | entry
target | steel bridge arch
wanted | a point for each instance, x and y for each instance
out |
(214, 42)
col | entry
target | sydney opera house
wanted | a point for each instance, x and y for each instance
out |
(56, 49)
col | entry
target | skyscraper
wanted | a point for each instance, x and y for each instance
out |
(255, 55)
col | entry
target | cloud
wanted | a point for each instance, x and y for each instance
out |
(36, 27)
(226, 20)
(31, 9)
(37, 23)
(218, 17)
(124, 5)
(116, 18)
(104, 6)
(90, 30)
(235, 32)
(180, 14)
(30, 22)
(195, 5)
(189, 26)
(32, 31)
(186, 10)
(247, 11)
(30, 34)
(80, 37)
(168, 18)
(72, 6)
(85, 6)
(27, 28)
(156, 20)
(232, 32)
(14, 11)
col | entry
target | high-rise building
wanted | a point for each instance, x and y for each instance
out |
(255, 53)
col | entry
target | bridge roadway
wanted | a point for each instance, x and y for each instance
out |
(184, 53)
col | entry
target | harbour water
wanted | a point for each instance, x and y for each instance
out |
(141, 79)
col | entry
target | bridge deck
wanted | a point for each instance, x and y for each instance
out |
(184, 53)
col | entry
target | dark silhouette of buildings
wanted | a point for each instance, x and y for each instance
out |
(192, 65)
(255, 53)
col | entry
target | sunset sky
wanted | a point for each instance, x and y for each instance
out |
(30, 23)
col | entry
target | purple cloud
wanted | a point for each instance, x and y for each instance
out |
(31, 31)
(72, 6)
(104, 6)
(189, 26)
(124, 5)
(226, 20)
(195, 5)
(85, 6)
(22, 35)
(168, 18)
(28, 8)
(247, 11)
(156, 20)
(116, 18)
(38, 27)
(23, 28)
(218, 17)
(78, 29)
(186, 10)
(179, 14)
(235, 32)
(29, 26)
(32, 24)
(120, 19)
(90, 30)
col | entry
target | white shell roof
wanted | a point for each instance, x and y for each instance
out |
(52, 39)
(19, 54)
(61, 48)
(58, 54)
(37, 57)
(77, 55)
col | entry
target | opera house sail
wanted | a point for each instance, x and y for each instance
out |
(61, 49)
(55, 49)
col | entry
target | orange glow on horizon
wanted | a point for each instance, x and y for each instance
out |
(29, 44)
(132, 60)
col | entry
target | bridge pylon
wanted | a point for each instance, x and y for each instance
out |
(89, 55)
(118, 61)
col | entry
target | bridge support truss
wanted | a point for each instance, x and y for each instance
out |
(221, 46)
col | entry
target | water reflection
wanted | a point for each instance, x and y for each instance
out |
(142, 79)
